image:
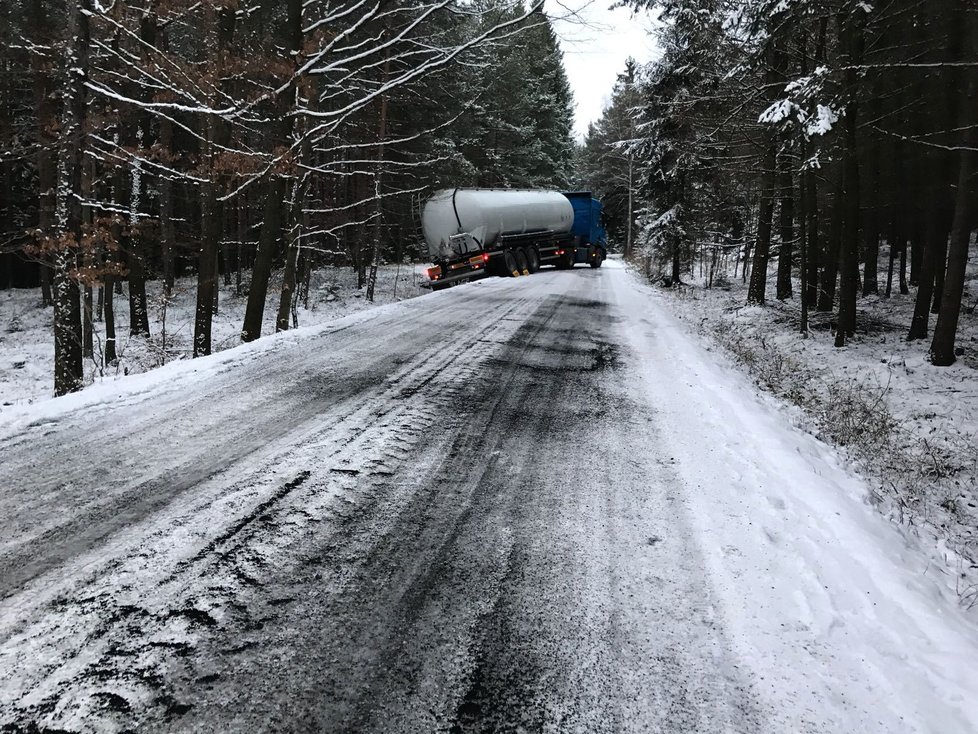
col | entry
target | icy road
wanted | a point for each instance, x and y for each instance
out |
(518, 505)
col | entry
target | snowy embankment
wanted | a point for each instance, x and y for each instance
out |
(27, 344)
(840, 615)
(910, 428)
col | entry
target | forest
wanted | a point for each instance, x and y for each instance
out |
(827, 146)
(146, 141)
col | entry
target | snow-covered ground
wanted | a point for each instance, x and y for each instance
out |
(909, 427)
(538, 501)
(841, 617)
(27, 346)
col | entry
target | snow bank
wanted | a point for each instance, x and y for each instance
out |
(27, 345)
(909, 427)
(845, 622)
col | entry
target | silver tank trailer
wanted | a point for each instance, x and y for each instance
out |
(485, 214)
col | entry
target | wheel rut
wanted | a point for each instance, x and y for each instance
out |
(142, 615)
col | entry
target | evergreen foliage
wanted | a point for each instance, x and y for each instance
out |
(853, 122)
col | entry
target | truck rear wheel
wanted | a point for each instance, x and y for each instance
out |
(522, 262)
(510, 264)
(533, 259)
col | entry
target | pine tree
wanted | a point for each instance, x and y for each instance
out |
(610, 162)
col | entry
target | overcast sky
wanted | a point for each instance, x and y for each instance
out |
(596, 42)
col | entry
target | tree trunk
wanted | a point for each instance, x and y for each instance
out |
(261, 268)
(849, 255)
(242, 234)
(833, 247)
(378, 187)
(88, 348)
(47, 297)
(7, 198)
(289, 274)
(942, 346)
(758, 277)
(138, 307)
(811, 229)
(849, 282)
(288, 280)
(961, 45)
(216, 299)
(206, 269)
(629, 235)
(917, 243)
(293, 228)
(940, 263)
(307, 276)
(110, 355)
(810, 279)
(47, 124)
(88, 260)
(377, 237)
(109, 288)
(803, 241)
(361, 259)
(225, 258)
(889, 269)
(166, 213)
(676, 264)
(211, 218)
(871, 246)
(928, 270)
(787, 221)
(898, 213)
(68, 369)
(904, 288)
(756, 291)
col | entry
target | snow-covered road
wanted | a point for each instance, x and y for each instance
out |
(518, 505)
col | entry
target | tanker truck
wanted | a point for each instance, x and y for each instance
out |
(471, 233)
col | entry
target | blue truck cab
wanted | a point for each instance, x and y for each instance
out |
(590, 238)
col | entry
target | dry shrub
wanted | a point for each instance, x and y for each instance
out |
(918, 479)
(855, 413)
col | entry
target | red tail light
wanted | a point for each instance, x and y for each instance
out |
(485, 257)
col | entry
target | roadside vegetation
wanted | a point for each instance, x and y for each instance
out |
(27, 352)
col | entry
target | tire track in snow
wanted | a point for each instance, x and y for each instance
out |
(449, 551)
(49, 509)
(496, 594)
(142, 610)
